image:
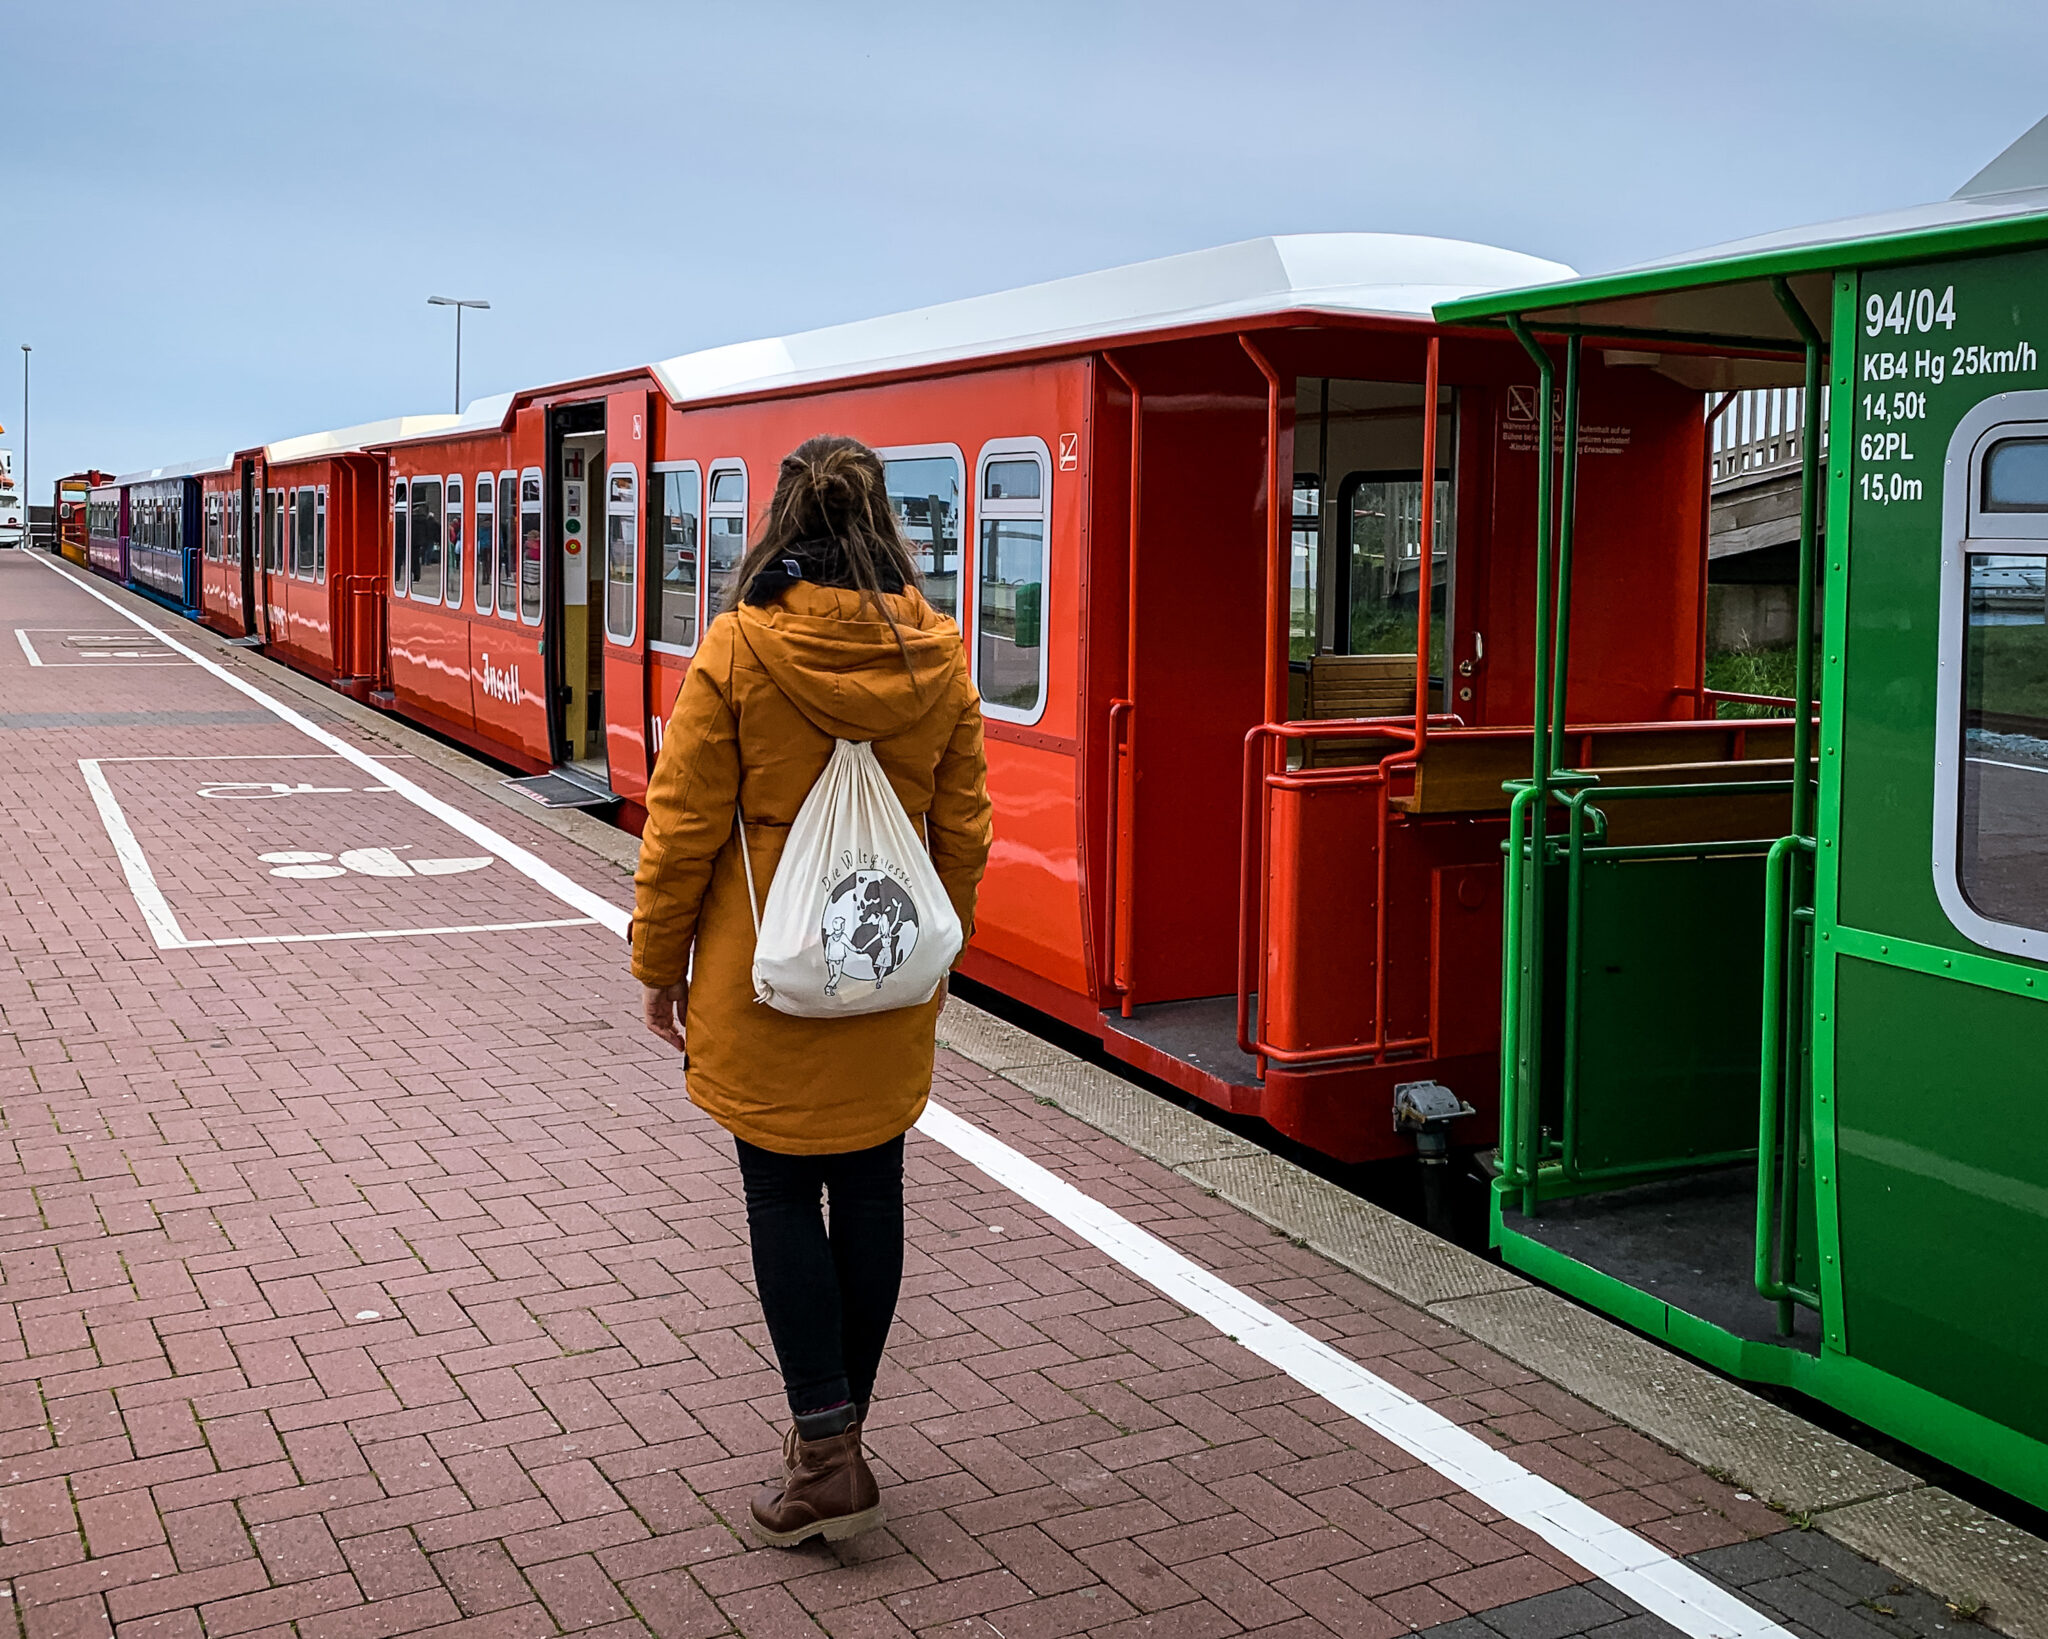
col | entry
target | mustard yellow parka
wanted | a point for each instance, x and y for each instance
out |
(769, 691)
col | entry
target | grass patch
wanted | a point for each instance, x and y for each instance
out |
(1751, 671)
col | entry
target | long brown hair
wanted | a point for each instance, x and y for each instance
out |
(832, 488)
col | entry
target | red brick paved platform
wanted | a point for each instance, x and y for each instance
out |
(391, 1285)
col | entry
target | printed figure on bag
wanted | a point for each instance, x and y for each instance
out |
(883, 919)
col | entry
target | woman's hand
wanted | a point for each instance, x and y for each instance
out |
(662, 1009)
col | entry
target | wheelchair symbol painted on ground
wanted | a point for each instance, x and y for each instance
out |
(304, 865)
(263, 790)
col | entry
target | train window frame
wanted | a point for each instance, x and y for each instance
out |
(508, 591)
(984, 510)
(660, 470)
(454, 543)
(320, 534)
(721, 509)
(627, 512)
(213, 528)
(932, 452)
(303, 497)
(401, 544)
(483, 516)
(540, 504)
(412, 578)
(1969, 530)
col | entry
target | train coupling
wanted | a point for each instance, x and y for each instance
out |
(1425, 1110)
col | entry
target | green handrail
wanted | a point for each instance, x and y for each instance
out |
(1772, 1192)
(1567, 516)
(1529, 1045)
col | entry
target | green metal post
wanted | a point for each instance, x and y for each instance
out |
(1568, 486)
(1802, 795)
(1528, 1046)
(1517, 1169)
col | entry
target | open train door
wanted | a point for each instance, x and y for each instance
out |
(254, 620)
(575, 635)
(625, 704)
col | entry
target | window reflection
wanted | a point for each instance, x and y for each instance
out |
(426, 538)
(675, 618)
(924, 493)
(2002, 830)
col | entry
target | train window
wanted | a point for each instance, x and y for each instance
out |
(2016, 476)
(1991, 737)
(399, 507)
(1010, 583)
(2002, 820)
(302, 532)
(451, 539)
(530, 546)
(508, 545)
(1304, 562)
(1358, 565)
(622, 554)
(273, 529)
(725, 527)
(213, 529)
(320, 534)
(426, 539)
(924, 492)
(672, 615)
(484, 542)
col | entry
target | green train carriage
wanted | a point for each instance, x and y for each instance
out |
(1775, 1049)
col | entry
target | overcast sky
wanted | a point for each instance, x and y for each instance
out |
(226, 218)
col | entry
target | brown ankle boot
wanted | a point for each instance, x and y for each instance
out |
(826, 1491)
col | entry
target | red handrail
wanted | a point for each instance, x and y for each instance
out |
(1253, 904)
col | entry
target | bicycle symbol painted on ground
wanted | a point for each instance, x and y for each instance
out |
(305, 865)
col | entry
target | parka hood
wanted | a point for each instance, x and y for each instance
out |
(838, 661)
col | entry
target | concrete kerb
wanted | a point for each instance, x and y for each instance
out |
(1982, 1565)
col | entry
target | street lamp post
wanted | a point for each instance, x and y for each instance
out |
(28, 496)
(458, 303)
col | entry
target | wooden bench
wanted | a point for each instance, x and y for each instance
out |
(1361, 685)
(1463, 773)
(1357, 685)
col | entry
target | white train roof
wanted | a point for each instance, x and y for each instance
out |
(1394, 274)
(191, 469)
(309, 446)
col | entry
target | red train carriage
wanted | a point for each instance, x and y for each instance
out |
(1220, 532)
(293, 549)
(1253, 666)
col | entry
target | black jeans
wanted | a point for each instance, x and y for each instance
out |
(829, 1294)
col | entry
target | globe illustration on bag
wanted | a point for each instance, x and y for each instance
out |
(869, 928)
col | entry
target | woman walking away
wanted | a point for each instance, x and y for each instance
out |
(830, 641)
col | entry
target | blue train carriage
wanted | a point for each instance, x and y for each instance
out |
(165, 533)
(1775, 1061)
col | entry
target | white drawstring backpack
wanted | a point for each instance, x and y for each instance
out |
(857, 920)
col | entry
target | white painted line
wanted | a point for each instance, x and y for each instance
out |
(384, 933)
(599, 910)
(27, 647)
(249, 757)
(163, 922)
(1630, 1563)
(1993, 762)
(156, 910)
